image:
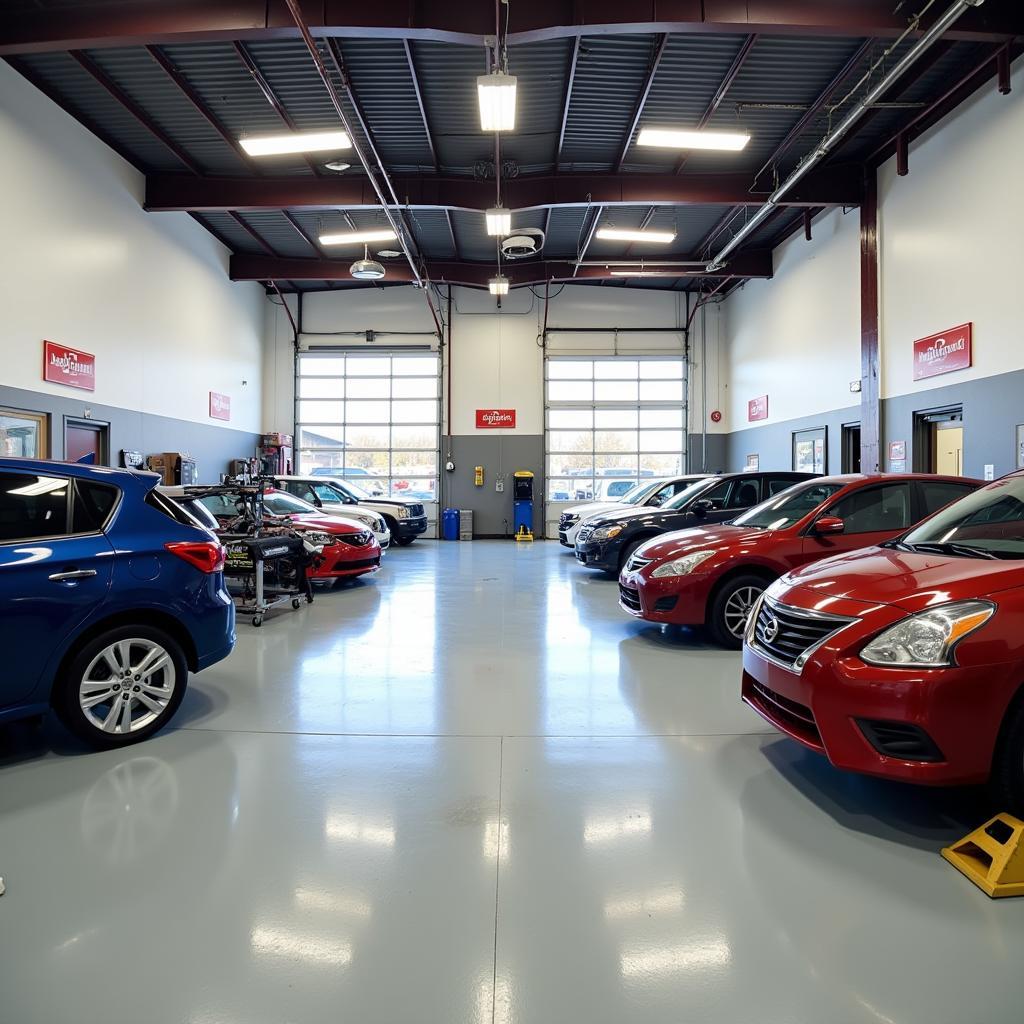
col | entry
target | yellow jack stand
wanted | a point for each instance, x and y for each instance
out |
(992, 856)
(524, 534)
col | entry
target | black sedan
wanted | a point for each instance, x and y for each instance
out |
(606, 541)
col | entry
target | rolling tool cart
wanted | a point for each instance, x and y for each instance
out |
(246, 565)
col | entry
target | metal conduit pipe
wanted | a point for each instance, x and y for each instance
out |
(927, 40)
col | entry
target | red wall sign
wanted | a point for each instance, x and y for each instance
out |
(63, 365)
(757, 409)
(220, 406)
(491, 419)
(943, 353)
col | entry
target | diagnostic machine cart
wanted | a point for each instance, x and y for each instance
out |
(522, 504)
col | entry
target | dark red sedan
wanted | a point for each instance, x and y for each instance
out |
(713, 575)
(906, 660)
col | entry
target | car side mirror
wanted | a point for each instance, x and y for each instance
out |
(829, 524)
(701, 508)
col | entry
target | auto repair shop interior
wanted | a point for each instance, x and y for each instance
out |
(511, 513)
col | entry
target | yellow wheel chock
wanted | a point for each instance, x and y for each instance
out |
(524, 534)
(992, 856)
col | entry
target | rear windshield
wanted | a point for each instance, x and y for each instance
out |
(989, 523)
(787, 508)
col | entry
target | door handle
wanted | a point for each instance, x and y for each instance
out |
(72, 574)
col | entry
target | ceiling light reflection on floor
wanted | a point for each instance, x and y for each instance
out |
(350, 828)
(496, 836)
(600, 830)
(336, 903)
(657, 901)
(696, 955)
(288, 944)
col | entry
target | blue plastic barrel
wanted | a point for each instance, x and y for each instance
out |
(450, 524)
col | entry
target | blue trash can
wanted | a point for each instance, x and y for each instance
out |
(450, 524)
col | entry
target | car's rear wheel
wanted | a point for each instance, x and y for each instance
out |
(1007, 781)
(122, 686)
(730, 608)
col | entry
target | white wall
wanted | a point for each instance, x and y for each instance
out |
(82, 264)
(952, 240)
(796, 337)
(497, 361)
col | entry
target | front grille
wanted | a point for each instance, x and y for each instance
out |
(415, 510)
(788, 713)
(565, 521)
(357, 540)
(629, 597)
(585, 532)
(343, 565)
(795, 632)
(636, 562)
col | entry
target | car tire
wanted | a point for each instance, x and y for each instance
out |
(1006, 783)
(84, 706)
(627, 553)
(728, 605)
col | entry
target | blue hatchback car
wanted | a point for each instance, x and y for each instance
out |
(109, 595)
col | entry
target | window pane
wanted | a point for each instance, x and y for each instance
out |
(375, 463)
(371, 387)
(322, 366)
(414, 412)
(368, 437)
(615, 441)
(32, 506)
(616, 460)
(615, 369)
(415, 366)
(615, 391)
(421, 464)
(321, 412)
(571, 465)
(570, 391)
(369, 366)
(322, 437)
(570, 419)
(570, 440)
(369, 412)
(414, 387)
(661, 441)
(321, 387)
(565, 369)
(615, 419)
(661, 369)
(661, 391)
(661, 418)
(414, 437)
(312, 459)
(661, 465)
(417, 489)
(570, 488)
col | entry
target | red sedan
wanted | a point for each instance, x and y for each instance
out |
(906, 660)
(713, 575)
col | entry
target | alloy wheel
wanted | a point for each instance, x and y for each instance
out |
(127, 686)
(737, 609)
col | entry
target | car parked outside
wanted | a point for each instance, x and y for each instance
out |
(606, 541)
(405, 519)
(349, 548)
(109, 596)
(713, 575)
(649, 493)
(906, 660)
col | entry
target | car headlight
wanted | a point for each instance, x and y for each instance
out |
(402, 513)
(321, 540)
(569, 520)
(681, 566)
(606, 532)
(928, 639)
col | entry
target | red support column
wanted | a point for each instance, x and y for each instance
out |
(870, 420)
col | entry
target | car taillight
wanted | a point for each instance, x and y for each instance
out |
(205, 555)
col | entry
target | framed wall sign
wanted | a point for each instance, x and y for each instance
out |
(495, 419)
(70, 366)
(944, 352)
(897, 450)
(220, 406)
(757, 409)
(753, 462)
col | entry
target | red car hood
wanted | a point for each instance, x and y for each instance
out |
(328, 524)
(724, 539)
(908, 579)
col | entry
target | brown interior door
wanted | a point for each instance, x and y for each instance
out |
(81, 441)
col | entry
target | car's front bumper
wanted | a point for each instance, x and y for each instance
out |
(406, 529)
(674, 600)
(831, 703)
(598, 555)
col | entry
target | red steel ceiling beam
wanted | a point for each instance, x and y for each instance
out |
(723, 88)
(90, 25)
(831, 186)
(246, 267)
(638, 110)
(568, 99)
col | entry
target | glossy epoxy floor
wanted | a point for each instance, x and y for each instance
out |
(472, 790)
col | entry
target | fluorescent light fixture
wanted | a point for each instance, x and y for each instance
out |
(650, 273)
(496, 94)
(634, 235)
(670, 139)
(499, 221)
(294, 142)
(359, 237)
(498, 285)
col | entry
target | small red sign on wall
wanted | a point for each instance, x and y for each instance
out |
(63, 365)
(757, 409)
(491, 419)
(220, 406)
(943, 353)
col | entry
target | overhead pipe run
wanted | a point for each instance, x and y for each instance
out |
(927, 40)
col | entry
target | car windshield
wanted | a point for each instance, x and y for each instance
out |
(636, 495)
(988, 523)
(351, 489)
(787, 508)
(684, 497)
(280, 504)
